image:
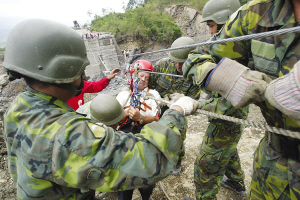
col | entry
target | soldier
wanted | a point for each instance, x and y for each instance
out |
(275, 175)
(218, 155)
(107, 110)
(167, 85)
(215, 13)
(56, 153)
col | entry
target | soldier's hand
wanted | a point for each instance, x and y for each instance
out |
(283, 93)
(237, 83)
(188, 105)
(175, 96)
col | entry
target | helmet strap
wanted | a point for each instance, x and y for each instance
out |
(70, 87)
(219, 27)
(12, 75)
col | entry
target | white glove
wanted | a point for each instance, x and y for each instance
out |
(175, 96)
(284, 93)
(188, 105)
(237, 83)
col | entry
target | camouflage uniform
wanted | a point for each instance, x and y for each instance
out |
(55, 153)
(276, 172)
(218, 154)
(244, 1)
(166, 85)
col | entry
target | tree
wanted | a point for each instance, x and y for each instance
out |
(135, 3)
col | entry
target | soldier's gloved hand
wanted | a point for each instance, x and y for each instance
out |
(175, 96)
(196, 68)
(284, 93)
(188, 105)
(237, 83)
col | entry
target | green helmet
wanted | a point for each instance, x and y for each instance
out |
(180, 55)
(106, 109)
(46, 51)
(219, 10)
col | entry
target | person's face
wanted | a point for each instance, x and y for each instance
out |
(212, 27)
(144, 80)
(178, 67)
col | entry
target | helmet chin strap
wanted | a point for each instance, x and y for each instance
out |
(71, 87)
(219, 27)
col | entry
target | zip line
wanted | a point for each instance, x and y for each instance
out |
(234, 39)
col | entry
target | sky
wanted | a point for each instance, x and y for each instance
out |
(63, 11)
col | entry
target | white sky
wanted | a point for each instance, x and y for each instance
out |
(63, 11)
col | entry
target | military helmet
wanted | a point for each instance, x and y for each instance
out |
(106, 109)
(180, 55)
(143, 64)
(46, 51)
(219, 10)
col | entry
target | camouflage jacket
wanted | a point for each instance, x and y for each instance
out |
(167, 85)
(55, 153)
(274, 55)
(220, 105)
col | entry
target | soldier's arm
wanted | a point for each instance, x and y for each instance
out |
(87, 156)
(153, 77)
(198, 66)
(220, 105)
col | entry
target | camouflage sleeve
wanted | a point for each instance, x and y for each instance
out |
(153, 77)
(198, 66)
(237, 25)
(219, 105)
(87, 156)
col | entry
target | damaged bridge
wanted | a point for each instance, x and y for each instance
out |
(103, 53)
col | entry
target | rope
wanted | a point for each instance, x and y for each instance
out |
(280, 131)
(180, 76)
(235, 39)
(295, 135)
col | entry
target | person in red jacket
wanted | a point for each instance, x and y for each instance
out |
(92, 87)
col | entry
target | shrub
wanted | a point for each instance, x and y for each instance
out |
(145, 23)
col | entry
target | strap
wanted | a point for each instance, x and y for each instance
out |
(145, 106)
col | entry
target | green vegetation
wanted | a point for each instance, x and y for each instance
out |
(2, 49)
(145, 23)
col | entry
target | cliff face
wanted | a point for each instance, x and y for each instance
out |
(188, 19)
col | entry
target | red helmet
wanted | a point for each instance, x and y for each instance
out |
(143, 64)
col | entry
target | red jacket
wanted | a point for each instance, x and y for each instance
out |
(89, 87)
